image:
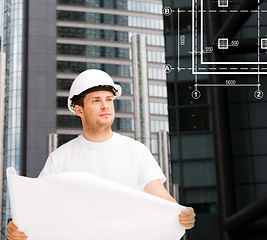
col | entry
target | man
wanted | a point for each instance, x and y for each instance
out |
(101, 151)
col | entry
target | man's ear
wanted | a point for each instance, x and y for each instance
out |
(78, 110)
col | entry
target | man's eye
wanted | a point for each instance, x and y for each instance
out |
(110, 99)
(95, 100)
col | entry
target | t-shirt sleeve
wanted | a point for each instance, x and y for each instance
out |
(49, 168)
(149, 169)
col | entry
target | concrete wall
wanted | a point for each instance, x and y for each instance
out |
(41, 82)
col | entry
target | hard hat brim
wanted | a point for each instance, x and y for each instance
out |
(117, 87)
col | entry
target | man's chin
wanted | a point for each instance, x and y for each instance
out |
(106, 122)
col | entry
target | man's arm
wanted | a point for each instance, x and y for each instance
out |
(186, 218)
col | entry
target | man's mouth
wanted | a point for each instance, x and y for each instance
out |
(105, 115)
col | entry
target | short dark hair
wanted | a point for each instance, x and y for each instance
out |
(79, 99)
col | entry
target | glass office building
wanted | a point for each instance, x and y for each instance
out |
(47, 43)
(11, 44)
(218, 142)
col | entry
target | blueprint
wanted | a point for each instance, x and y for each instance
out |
(78, 205)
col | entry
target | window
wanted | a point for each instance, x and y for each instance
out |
(144, 7)
(123, 124)
(154, 146)
(158, 108)
(127, 88)
(184, 95)
(171, 23)
(158, 125)
(157, 91)
(62, 102)
(64, 84)
(201, 143)
(199, 173)
(156, 73)
(63, 138)
(155, 56)
(117, 4)
(123, 105)
(66, 121)
(202, 200)
(77, 67)
(194, 118)
(143, 22)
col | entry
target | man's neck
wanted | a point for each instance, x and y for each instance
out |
(100, 136)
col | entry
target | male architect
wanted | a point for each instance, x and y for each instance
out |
(101, 151)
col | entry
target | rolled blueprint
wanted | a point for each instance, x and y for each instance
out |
(78, 205)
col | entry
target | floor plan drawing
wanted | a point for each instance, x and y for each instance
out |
(218, 45)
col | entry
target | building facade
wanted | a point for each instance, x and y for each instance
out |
(218, 140)
(47, 44)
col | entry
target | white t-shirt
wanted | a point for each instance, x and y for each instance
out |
(120, 159)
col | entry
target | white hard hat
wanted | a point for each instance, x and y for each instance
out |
(89, 79)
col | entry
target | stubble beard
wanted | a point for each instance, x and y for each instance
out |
(99, 127)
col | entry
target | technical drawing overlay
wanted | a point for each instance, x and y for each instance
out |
(252, 63)
(200, 52)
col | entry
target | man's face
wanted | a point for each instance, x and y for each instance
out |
(98, 110)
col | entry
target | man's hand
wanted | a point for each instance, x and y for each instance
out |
(13, 233)
(187, 218)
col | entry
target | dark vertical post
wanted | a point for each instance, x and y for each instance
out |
(221, 128)
(24, 92)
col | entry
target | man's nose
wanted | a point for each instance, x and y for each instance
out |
(104, 105)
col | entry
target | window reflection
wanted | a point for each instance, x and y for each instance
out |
(158, 125)
(88, 17)
(157, 91)
(117, 4)
(63, 138)
(144, 7)
(156, 56)
(123, 106)
(92, 51)
(12, 46)
(77, 67)
(154, 145)
(156, 73)
(123, 124)
(158, 108)
(67, 121)
(109, 35)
